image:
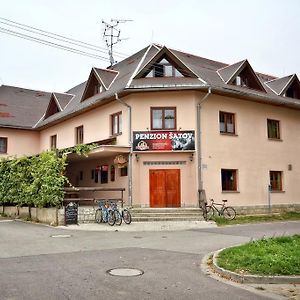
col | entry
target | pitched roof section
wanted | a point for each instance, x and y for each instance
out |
(106, 76)
(63, 99)
(228, 72)
(164, 52)
(280, 85)
(245, 71)
(22, 108)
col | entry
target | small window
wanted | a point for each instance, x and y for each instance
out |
(104, 174)
(273, 129)
(116, 123)
(112, 173)
(227, 122)
(79, 135)
(163, 118)
(3, 144)
(53, 142)
(164, 69)
(81, 175)
(276, 180)
(229, 180)
(124, 171)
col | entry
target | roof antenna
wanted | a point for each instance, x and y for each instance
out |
(111, 35)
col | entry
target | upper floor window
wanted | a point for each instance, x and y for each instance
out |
(163, 118)
(164, 69)
(53, 142)
(273, 129)
(229, 180)
(227, 122)
(3, 144)
(116, 123)
(276, 180)
(79, 135)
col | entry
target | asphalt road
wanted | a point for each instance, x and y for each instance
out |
(35, 265)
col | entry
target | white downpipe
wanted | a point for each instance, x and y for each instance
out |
(199, 146)
(130, 144)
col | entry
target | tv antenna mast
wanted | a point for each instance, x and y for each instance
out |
(111, 35)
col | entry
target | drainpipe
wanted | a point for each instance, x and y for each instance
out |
(130, 144)
(199, 148)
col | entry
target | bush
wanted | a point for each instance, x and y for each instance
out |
(33, 181)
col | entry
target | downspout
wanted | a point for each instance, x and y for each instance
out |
(130, 144)
(199, 149)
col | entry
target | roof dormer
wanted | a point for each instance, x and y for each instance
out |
(241, 74)
(165, 64)
(288, 86)
(99, 81)
(53, 107)
(57, 103)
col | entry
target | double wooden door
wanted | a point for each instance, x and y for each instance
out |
(164, 188)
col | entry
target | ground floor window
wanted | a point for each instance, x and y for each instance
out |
(3, 144)
(229, 179)
(124, 171)
(276, 180)
(112, 173)
(104, 174)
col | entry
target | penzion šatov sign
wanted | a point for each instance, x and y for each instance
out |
(163, 140)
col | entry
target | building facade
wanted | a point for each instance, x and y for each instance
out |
(169, 125)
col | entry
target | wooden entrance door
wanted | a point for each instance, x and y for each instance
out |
(164, 188)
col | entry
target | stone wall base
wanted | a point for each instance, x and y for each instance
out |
(86, 214)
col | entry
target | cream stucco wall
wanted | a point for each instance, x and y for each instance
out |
(185, 103)
(96, 125)
(250, 151)
(20, 142)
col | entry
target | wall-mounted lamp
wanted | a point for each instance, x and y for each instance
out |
(191, 156)
(137, 157)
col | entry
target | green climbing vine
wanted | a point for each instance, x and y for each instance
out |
(37, 181)
(33, 181)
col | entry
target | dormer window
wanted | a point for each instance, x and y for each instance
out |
(98, 88)
(241, 74)
(293, 91)
(164, 69)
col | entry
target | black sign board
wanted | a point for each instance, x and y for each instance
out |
(71, 213)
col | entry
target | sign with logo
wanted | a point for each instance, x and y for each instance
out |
(163, 140)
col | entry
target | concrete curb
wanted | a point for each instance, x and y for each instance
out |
(251, 278)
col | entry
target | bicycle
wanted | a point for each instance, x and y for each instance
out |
(121, 213)
(105, 214)
(227, 212)
(116, 213)
(126, 215)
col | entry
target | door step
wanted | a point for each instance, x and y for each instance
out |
(166, 214)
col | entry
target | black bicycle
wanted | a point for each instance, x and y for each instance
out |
(212, 210)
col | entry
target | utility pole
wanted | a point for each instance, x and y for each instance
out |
(111, 35)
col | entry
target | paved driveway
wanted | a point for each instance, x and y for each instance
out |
(35, 265)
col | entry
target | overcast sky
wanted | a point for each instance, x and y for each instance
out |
(266, 32)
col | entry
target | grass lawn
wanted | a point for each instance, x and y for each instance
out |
(288, 216)
(273, 256)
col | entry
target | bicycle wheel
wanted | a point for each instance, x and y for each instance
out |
(111, 218)
(229, 213)
(126, 216)
(98, 216)
(210, 212)
(118, 218)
